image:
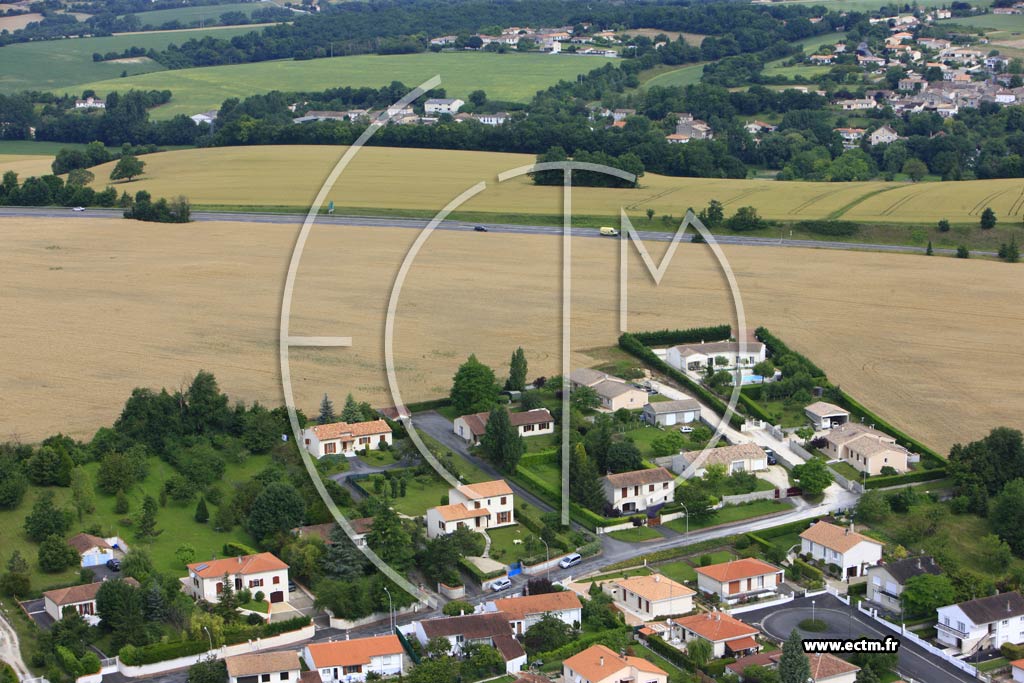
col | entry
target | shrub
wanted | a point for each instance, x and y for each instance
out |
(1012, 651)
(813, 625)
(830, 228)
(159, 652)
(742, 543)
(235, 549)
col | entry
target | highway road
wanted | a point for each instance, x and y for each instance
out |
(461, 226)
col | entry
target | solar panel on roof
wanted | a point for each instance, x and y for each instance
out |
(202, 567)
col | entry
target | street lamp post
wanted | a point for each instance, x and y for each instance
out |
(209, 636)
(687, 513)
(812, 609)
(391, 614)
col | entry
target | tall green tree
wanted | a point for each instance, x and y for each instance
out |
(1006, 515)
(585, 481)
(46, 519)
(924, 593)
(814, 477)
(988, 219)
(501, 442)
(517, 369)
(474, 387)
(326, 411)
(278, 508)
(208, 670)
(207, 409)
(390, 540)
(549, 633)
(793, 665)
(342, 559)
(127, 168)
(584, 398)
(202, 513)
(351, 412)
(146, 527)
(81, 493)
(55, 555)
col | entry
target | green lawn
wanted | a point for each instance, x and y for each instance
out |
(544, 442)
(174, 521)
(36, 147)
(422, 492)
(681, 76)
(208, 15)
(59, 65)
(733, 513)
(993, 664)
(639, 571)
(254, 606)
(502, 547)
(547, 468)
(847, 470)
(379, 458)
(678, 571)
(720, 556)
(636, 534)
(515, 77)
(1002, 22)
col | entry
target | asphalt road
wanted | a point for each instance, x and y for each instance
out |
(460, 226)
(847, 622)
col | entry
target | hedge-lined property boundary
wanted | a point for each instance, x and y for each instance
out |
(632, 345)
(909, 478)
(778, 348)
(693, 335)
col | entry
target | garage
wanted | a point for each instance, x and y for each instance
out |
(277, 596)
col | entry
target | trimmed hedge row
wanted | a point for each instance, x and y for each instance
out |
(779, 348)
(808, 571)
(762, 543)
(689, 336)
(909, 478)
(428, 405)
(633, 346)
(754, 408)
(783, 529)
(480, 576)
(672, 654)
(159, 652)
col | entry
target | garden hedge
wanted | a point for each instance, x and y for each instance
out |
(909, 478)
(616, 639)
(689, 336)
(672, 654)
(159, 652)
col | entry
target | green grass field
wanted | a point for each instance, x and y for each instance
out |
(174, 521)
(422, 492)
(515, 77)
(60, 65)
(680, 76)
(207, 14)
(733, 513)
(997, 22)
(678, 571)
(635, 535)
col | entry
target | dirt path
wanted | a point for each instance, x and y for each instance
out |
(10, 652)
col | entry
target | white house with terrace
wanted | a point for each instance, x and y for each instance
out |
(347, 438)
(262, 572)
(981, 623)
(479, 507)
(723, 355)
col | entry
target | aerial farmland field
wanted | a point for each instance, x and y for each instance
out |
(62, 64)
(173, 299)
(208, 14)
(514, 77)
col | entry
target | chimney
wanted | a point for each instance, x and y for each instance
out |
(600, 661)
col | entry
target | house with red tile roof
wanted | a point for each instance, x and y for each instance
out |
(525, 611)
(262, 572)
(726, 635)
(528, 423)
(825, 668)
(601, 664)
(650, 597)
(350, 660)
(260, 667)
(739, 579)
(852, 552)
(487, 505)
(346, 438)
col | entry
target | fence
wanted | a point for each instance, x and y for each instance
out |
(740, 609)
(849, 485)
(917, 640)
(748, 497)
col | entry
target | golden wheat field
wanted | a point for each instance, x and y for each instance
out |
(95, 307)
(409, 179)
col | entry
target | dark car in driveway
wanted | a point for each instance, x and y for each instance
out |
(114, 564)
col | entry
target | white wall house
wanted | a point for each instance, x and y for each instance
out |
(743, 457)
(528, 423)
(486, 505)
(982, 623)
(886, 581)
(443, 106)
(264, 667)
(650, 597)
(347, 438)
(696, 357)
(727, 635)
(486, 628)
(638, 490)
(346, 661)
(81, 598)
(671, 413)
(262, 572)
(525, 611)
(739, 579)
(843, 547)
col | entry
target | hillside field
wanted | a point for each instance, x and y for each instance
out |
(512, 76)
(62, 64)
(405, 181)
(209, 14)
(128, 304)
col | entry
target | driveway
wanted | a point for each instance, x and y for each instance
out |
(847, 622)
(36, 610)
(357, 466)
